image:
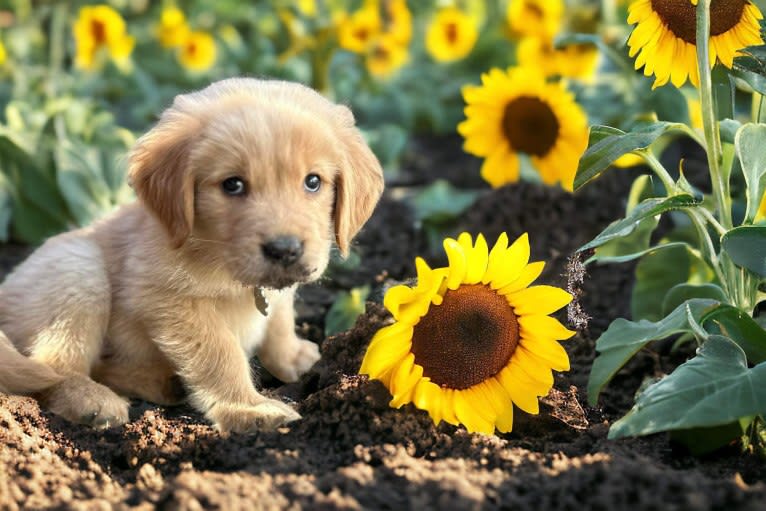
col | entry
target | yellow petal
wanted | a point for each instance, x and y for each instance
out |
(523, 393)
(528, 275)
(515, 258)
(549, 350)
(403, 381)
(388, 348)
(467, 416)
(535, 369)
(428, 396)
(544, 326)
(458, 263)
(477, 257)
(538, 300)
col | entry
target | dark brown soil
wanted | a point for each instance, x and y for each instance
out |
(351, 451)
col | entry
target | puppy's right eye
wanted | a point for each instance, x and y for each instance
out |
(234, 186)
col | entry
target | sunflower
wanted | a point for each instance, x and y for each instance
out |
(573, 61)
(173, 29)
(517, 111)
(536, 18)
(98, 29)
(198, 52)
(451, 35)
(473, 339)
(3, 53)
(386, 56)
(665, 36)
(357, 31)
(399, 21)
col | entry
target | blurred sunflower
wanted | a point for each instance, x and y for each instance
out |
(386, 56)
(665, 36)
(98, 29)
(356, 32)
(473, 339)
(198, 52)
(517, 111)
(573, 61)
(536, 18)
(307, 8)
(3, 53)
(173, 29)
(451, 35)
(399, 21)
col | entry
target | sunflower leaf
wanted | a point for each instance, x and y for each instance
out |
(624, 338)
(646, 209)
(746, 245)
(749, 144)
(345, 310)
(735, 324)
(607, 144)
(716, 387)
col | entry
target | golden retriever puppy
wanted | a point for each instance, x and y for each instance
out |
(242, 189)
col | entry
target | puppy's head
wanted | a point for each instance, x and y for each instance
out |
(257, 178)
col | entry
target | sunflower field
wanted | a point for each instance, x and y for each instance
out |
(566, 276)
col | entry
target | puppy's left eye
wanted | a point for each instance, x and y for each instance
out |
(312, 183)
(234, 186)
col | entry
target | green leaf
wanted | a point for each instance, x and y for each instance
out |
(670, 104)
(681, 293)
(344, 311)
(701, 441)
(441, 202)
(749, 142)
(80, 178)
(654, 280)
(740, 328)
(624, 338)
(607, 144)
(746, 245)
(723, 92)
(714, 388)
(646, 209)
(729, 129)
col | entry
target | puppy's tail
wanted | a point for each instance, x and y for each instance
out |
(22, 375)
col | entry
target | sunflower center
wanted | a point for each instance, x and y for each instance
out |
(534, 11)
(530, 125)
(680, 16)
(98, 29)
(450, 30)
(466, 339)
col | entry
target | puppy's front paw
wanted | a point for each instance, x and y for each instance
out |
(267, 415)
(291, 363)
(82, 400)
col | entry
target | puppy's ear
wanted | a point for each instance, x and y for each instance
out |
(359, 183)
(159, 173)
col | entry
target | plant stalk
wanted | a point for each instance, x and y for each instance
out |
(661, 172)
(710, 123)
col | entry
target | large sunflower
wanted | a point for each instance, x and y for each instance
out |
(517, 111)
(473, 339)
(665, 36)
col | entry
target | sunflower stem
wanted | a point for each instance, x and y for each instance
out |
(661, 172)
(57, 45)
(609, 12)
(733, 280)
(711, 129)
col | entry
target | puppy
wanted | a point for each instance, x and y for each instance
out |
(242, 188)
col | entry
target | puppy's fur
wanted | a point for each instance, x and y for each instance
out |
(156, 301)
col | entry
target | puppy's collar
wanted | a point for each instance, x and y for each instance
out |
(261, 303)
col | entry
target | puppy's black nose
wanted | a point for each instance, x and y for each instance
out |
(284, 250)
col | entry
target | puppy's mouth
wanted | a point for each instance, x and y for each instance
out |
(278, 277)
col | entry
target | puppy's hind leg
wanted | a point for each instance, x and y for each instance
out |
(55, 308)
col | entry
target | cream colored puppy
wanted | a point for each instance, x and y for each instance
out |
(242, 188)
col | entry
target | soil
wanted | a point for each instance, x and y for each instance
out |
(351, 450)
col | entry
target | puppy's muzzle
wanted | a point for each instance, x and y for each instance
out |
(283, 250)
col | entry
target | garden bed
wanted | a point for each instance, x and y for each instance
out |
(350, 450)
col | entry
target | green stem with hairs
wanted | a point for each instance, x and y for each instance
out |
(659, 170)
(712, 133)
